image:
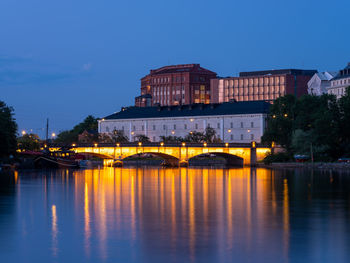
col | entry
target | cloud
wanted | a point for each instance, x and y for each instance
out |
(87, 66)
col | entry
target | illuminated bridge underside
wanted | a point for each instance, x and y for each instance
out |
(182, 154)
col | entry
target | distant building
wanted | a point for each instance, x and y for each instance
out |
(320, 82)
(260, 85)
(340, 82)
(175, 85)
(88, 136)
(239, 122)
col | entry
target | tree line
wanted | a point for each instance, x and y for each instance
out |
(315, 126)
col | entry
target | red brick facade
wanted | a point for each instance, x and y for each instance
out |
(176, 85)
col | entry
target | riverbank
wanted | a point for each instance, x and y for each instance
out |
(318, 166)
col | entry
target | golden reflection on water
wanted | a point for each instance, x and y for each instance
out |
(184, 202)
(54, 230)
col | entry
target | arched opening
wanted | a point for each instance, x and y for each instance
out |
(216, 158)
(151, 158)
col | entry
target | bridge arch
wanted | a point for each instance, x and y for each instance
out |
(231, 159)
(169, 160)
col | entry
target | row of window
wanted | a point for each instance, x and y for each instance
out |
(232, 137)
(254, 81)
(340, 82)
(165, 127)
(177, 79)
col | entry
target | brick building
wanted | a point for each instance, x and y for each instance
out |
(175, 85)
(261, 85)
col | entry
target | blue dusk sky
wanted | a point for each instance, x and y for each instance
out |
(66, 59)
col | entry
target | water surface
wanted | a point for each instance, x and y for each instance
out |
(175, 215)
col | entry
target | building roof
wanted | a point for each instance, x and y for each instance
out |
(180, 68)
(227, 108)
(344, 73)
(278, 72)
(327, 75)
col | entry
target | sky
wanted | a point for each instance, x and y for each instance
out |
(65, 60)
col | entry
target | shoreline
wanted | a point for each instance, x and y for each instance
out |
(316, 166)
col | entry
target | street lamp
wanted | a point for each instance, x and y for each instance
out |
(53, 135)
(23, 132)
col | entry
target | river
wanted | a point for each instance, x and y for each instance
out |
(175, 215)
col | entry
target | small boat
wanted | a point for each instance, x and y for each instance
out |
(57, 159)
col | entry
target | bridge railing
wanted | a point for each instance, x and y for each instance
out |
(158, 144)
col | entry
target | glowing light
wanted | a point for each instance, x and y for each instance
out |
(103, 119)
(118, 144)
(205, 144)
(162, 144)
(226, 144)
(183, 144)
(132, 133)
(96, 144)
(172, 132)
(273, 144)
(140, 143)
(248, 130)
(274, 116)
(53, 135)
(73, 144)
(191, 120)
(45, 145)
(253, 144)
(285, 115)
(229, 130)
(23, 132)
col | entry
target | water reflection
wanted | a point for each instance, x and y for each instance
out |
(181, 215)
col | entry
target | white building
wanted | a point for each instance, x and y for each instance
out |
(320, 82)
(340, 82)
(239, 122)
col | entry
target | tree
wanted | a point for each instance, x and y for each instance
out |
(171, 138)
(344, 126)
(8, 131)
(29, 142)
(194, 136)
(141, 138)
(89, 123)
(119, 136)
(280, 122)
(210, 135)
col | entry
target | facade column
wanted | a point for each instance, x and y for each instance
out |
(130, 136)
(222, 130)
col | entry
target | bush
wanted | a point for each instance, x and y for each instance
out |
(277, 158)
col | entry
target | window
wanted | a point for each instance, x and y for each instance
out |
(174, 126)
(164, 127)
(252, 136)
(241, 137)
(231, 137)
(134, 128)
(241, 124)
(154, 127)
(231, 125)
(154, 138)
(218, 125)
(252, 124)
(208, 125)
(107, 129)
(143, 127)
(185, 126)
(196, 126)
